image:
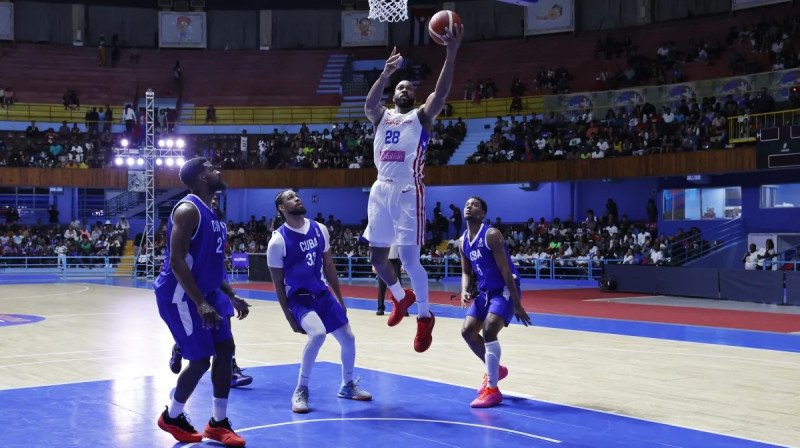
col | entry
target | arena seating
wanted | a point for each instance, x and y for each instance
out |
(290, 77)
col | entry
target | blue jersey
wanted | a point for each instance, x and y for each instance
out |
(302, 262)
(480, 257)
(206, 256)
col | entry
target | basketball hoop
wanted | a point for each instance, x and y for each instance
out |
(388, 10)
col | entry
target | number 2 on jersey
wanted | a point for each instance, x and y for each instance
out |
(219, 245)
(392, 137)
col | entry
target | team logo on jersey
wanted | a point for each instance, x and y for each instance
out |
(480, 242)
(316, 230)
(393, 156)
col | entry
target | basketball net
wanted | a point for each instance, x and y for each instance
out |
(388, 10)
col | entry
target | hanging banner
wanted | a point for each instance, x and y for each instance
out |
(744, 4)
(549, 16)
(358, 30)
(778, 84)
(6, 21)
(182, 29)
(137, 181)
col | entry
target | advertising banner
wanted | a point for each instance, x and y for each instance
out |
(549, 16)
(358, 30)
(182, 29)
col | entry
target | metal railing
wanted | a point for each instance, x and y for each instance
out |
(69, 266)
(439, 268)
(349, 267)
(54, 113)
(712, 239)
(745, 128)
(486, 108)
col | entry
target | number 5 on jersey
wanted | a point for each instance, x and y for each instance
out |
(392, 137)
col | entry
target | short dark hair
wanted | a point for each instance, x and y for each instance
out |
(483, 203)
(279, 201)
(191, 169)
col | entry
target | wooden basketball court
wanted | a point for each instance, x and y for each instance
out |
(730, 387)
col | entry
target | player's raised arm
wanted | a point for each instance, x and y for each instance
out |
(436, 100)
(466, 275)
(185, 220)
(495, 242)
(373, 107)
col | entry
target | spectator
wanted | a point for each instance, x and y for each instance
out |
(8, 97)
(211, 114)
(53, 213)
(129, 118)
(133, 57)
(750, 258)
(177, 75)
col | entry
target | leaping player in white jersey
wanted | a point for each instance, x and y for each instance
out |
(396, 209)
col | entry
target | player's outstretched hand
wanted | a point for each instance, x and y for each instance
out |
(466, 298)
(393, 63)
(521, 315)
(209, 315)
(242, 308)
(453, 39)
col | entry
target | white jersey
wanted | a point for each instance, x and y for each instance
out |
(400, 145)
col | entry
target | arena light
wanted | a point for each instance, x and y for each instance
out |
(180, 161)
(124, 142)
(179, 143)
(161, 143)
(170, 143)
(170, 162)
(118, 161)
(159, 162)
(140, 161)
(129, 161)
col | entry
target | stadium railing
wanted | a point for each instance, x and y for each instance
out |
(266, 115)
(745, 128)
(54, 113)
(332, 114)
(349, 267)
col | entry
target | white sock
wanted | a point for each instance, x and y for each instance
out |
(315, 329)
(409, 256)
(397, 291)
(344, 335)
(493, 362)
(175, 408)
(220, 409)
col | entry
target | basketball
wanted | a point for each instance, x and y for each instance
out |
(441, 22)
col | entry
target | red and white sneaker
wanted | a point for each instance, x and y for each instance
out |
(503, 374)
(491, 396)
(400, 309)
(424, 337)
(179, 427)
(222, 432)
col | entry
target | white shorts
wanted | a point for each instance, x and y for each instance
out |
(396, 213)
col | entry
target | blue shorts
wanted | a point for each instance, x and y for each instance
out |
(324, 304)
(496, 301)
(186, 326)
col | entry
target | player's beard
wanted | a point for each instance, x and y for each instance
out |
(218, 186)
(404, 102)
(299, 211)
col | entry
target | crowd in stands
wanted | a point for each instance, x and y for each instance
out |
(687, 125)
(85, 245)
(67, 147)
(568, 246)
(346, 145)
